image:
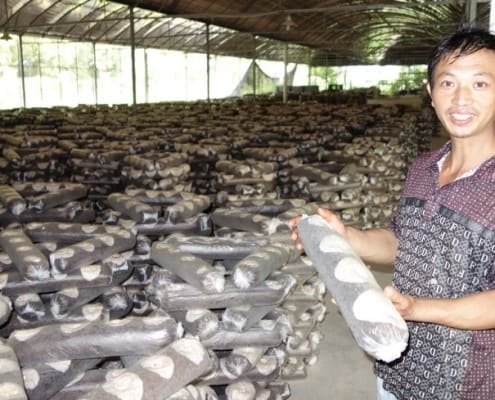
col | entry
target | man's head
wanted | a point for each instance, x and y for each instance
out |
(461, 83)
(458, 44)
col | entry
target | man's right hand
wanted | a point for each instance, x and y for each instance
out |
(327, 215)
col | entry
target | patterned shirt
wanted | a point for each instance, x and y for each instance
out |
(446, 250)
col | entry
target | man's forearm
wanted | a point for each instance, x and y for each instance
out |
(475, 311)
(374, 246)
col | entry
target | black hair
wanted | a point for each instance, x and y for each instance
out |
(467, 40)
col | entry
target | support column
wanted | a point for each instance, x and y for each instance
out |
(208, 62)
(39, 71)
(492, 16)
(60, 85)
(286, 57)
(146, 77)
(23, 73)
(133, 57)
(254, 66)
(326, 72)
(309, 67)
(95, 71)
(77, 79)
(471, 11)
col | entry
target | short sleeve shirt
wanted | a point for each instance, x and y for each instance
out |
(446, 250)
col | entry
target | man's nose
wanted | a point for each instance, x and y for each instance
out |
(463, 95)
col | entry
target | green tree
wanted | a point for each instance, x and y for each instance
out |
(329, 75)
(410, 78)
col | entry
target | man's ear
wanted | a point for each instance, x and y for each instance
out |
(428, 89)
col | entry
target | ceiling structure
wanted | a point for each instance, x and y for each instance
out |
(319, 32)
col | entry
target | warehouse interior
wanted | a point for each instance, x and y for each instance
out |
(146, 229)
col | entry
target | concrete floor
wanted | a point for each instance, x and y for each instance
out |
(343, 371)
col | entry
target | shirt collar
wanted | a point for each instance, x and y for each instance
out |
(438, 157)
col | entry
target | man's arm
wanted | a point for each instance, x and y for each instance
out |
(475, 311)
(374, 246)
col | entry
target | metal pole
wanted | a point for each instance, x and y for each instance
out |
(492, 16)
(60, 85)
(95, 71)
(146, 77)
(208, 62)
(326, 72)
(471, 5)
(186, 76)
(286, 57)
(77, 78)
(23, 73)
(309, 67)
(39, 72)
(254, 66)
(254, 76)
(133, 57)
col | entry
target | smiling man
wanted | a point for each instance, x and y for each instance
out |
(445, 226)
(442, 238)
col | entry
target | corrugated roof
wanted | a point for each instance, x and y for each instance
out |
(321, 32)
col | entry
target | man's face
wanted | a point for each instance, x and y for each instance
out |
(463, 94)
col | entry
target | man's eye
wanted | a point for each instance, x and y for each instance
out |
(480, 85)
(446, 84)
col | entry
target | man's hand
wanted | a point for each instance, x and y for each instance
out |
(403, 303)
(327, 215)
(474, 311)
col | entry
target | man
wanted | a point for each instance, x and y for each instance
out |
(442, 239)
